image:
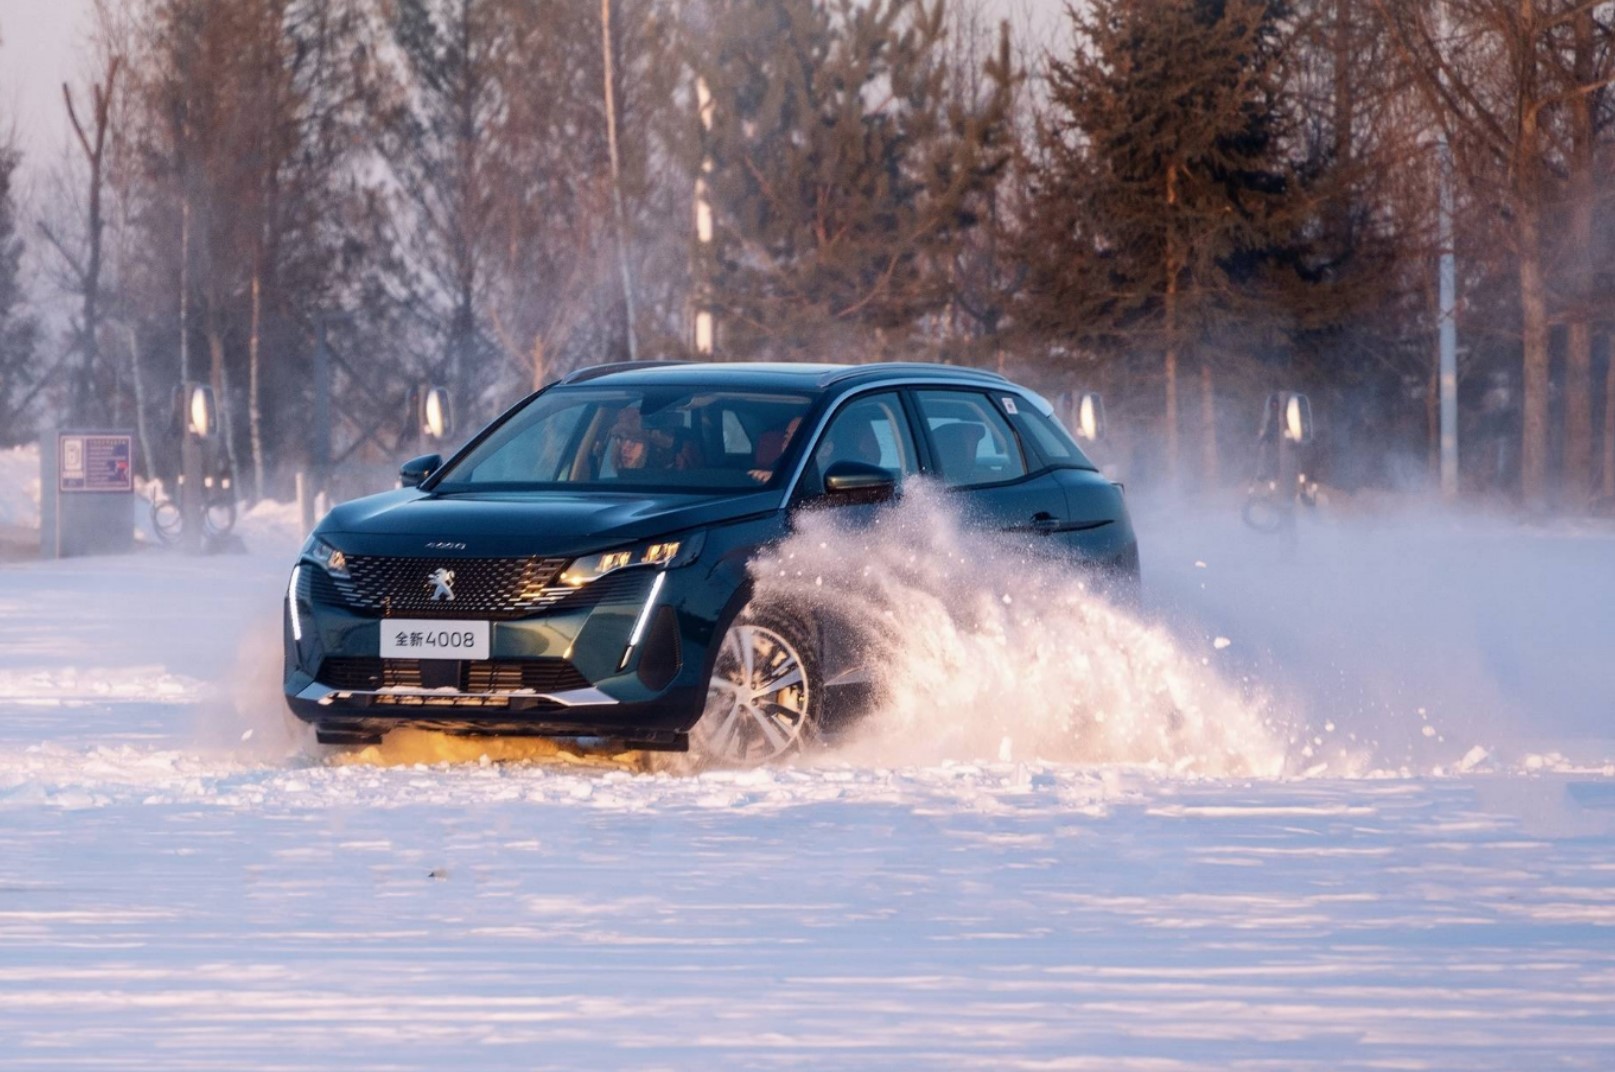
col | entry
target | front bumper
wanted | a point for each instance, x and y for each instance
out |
(627, 664)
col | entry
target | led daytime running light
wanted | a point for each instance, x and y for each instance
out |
(291, 605)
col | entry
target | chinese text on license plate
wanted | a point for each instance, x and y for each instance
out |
(412, 638)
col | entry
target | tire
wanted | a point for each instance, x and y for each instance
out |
(218, 518)
(1266, 514)
(773, 717)
(166, 520)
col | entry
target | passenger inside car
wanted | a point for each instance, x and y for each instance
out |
(957, 447)
(770, 448)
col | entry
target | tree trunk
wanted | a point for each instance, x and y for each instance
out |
(91, 328)
(185, 286)
(93, 141)
(1170, 314)
(138, 381)
(1528, 197)
(1579, 355)
(220, 380)
(1432, 425)
(1534, 357)
(255, 385)
(618, 214)
(1609, 429)
(1210, 462)
(1170, 370)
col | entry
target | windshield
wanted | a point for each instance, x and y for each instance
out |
(629, 438)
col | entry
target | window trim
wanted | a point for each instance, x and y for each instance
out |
(810, 445)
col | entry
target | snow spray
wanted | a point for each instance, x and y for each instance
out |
(981, 648)
(247, 716)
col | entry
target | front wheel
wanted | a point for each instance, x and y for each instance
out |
(763, 698)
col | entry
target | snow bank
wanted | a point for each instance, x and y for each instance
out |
(272, 526)
(19, 487)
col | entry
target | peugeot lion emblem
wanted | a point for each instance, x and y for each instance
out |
(442, 582)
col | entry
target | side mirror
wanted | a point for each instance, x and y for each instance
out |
(415, 471)
(849, 482)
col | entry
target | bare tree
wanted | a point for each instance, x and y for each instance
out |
(90, 133)
(1493, 74)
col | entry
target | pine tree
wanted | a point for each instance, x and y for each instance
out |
(840, 172)
(1160, 201)
(20, 379)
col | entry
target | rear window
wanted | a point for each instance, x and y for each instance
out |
(1045, 434)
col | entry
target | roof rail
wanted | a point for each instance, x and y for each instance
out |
(596, 371)
(911, 368)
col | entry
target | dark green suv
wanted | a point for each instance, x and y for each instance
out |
(579, 569)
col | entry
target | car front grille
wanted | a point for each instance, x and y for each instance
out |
(484, 588)
(492, 588)
(369, 674)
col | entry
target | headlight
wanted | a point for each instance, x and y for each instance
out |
(334, 561)
(663, 553)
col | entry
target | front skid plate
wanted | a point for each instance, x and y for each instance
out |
(353, 730)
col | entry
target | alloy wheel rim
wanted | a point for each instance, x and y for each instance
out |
(757, 702)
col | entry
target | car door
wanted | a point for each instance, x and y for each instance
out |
(1097, 528)
(979, 457)
(872, 429)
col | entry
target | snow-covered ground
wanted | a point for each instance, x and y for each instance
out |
(1402, 859)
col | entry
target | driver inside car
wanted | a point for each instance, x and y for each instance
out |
(633, 446)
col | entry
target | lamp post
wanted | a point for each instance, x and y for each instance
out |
(198, 424)
(705, 324)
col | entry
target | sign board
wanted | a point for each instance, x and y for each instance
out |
(88, 505)
(95, 463)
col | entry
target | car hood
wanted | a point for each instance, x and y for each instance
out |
(498, 524)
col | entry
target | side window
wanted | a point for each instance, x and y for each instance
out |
(972, 442)
(871, 430)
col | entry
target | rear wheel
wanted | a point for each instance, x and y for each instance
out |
(762, 701)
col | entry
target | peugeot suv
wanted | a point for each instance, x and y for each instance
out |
(580, 568)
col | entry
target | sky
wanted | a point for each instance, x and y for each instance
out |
(37, 53)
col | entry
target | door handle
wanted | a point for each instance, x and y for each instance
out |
(1045, 523)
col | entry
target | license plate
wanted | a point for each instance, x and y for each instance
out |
(412, 638)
